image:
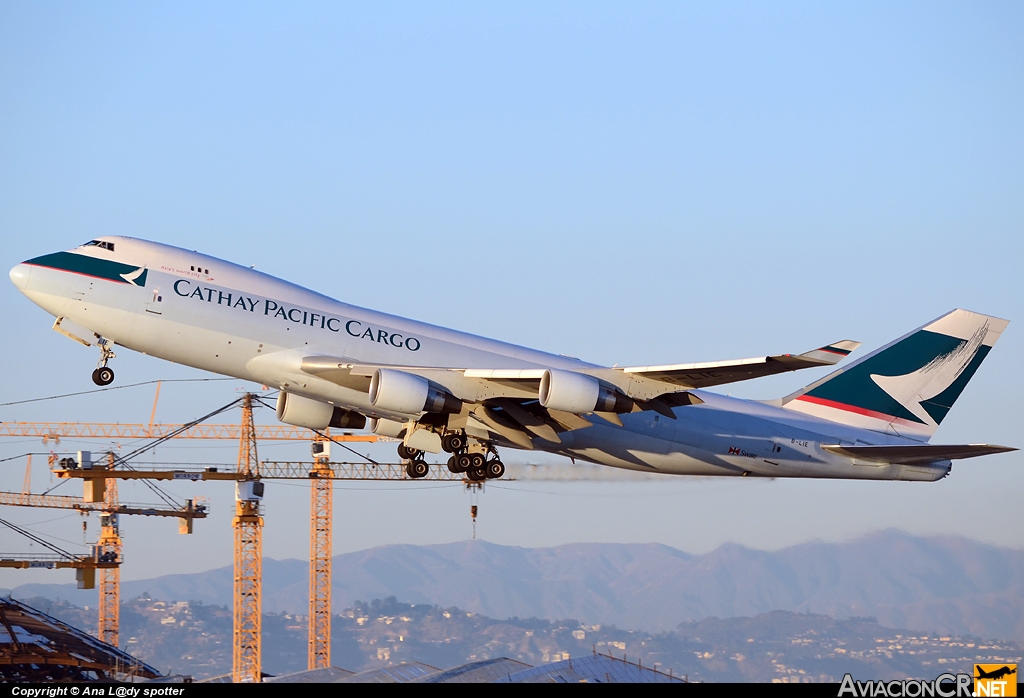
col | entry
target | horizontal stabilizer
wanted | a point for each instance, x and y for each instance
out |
(908, 455)
(704, 375)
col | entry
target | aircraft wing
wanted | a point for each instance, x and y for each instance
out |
(909, 455)
(522, 383)
(704, 375)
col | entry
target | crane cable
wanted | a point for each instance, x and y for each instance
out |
(37, 539)
(123, 460)
(115, 387)
(326, 436)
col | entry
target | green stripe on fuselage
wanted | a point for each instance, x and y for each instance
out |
(855, 386)
(81, 264)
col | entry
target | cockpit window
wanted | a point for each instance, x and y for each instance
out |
(100, 243)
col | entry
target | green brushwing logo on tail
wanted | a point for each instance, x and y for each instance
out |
(909, 385)
(888, 382)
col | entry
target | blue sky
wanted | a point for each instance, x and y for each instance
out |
(628, 183)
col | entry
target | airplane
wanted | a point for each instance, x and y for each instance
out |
(436, 389)
(995, 674)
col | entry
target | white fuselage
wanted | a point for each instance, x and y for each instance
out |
(239, 322)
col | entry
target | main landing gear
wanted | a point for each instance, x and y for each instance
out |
(477, 460)
(104, 375)
(415, 466)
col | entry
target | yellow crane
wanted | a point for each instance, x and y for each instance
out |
(321, 508)
(51, 501)
(85, 566)
(109, 545)
(248, 525)
(55, 431)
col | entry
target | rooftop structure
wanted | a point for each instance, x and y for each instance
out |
(37, 647)
(484, 671)
(597, 668)
(399, 673)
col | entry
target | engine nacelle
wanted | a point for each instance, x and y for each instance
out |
(347, 419)
(386, 427)
(578, 393)
(406, 393)
(302, 412)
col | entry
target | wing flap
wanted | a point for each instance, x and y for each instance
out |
(706, 374)
(910, 455)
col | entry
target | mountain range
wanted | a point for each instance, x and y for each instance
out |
(935, 584)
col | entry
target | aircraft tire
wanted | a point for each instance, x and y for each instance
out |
(406, 453)
(453, 465)
(476, 460)
(103, 376)
(465, 462)
(477, 474)
(495, 469)
(417, 469)
(452, 443)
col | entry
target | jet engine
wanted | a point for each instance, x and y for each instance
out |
(569, 391)
(398, 391)
(386, 427)
(313, 414)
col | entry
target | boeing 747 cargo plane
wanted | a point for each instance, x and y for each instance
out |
(337, 365)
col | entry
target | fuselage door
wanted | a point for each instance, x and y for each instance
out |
(83, 286)
(154, 302)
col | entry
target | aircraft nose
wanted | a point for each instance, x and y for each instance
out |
(19, 276)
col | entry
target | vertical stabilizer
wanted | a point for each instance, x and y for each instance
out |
(909, 385)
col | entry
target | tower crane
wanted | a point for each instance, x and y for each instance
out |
(109, 545)
(85, 566)
(248, 521)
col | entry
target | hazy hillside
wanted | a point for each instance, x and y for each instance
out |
(948, 585)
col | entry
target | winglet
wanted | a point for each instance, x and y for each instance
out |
(832, 353)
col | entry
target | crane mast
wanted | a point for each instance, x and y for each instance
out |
(248, 525)
(108, 549)
(321, 488)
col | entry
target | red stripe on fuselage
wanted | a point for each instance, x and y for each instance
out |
(881, 416)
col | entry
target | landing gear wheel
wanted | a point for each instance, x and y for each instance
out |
(453, 442)
(465, 462)
(406, 453)
(494, 469)
(477, 474)
(476, 460)
(103, 376)
(417, 469)
(453, 465)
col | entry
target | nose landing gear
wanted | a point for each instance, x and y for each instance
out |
(104, 375)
